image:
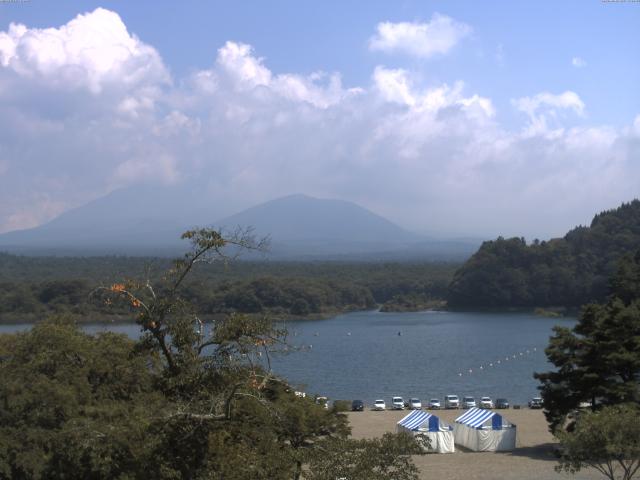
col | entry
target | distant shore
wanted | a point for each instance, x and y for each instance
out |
(436, 305)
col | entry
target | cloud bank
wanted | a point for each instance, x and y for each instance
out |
(88, 107)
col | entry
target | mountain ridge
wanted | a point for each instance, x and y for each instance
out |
(149, 221)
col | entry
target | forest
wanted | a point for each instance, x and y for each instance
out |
(33, 287)
(564, 272)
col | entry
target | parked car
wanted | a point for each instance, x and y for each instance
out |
(502, 403)
(468, 402)
(535, 402)
(357, 406)
(324, 401)
(451, 401)
(415, 404)
(434, 404)
(379, 405)
(397, 403)
(486, 402)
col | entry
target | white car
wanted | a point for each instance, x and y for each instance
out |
(379, 405)
(451, 401)
(434, 404)
(468, 402)
(397, 403)
(486, 402)
(415, 404)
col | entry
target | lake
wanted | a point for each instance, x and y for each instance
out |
(369, 355)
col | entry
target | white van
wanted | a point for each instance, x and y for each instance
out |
(451, 401)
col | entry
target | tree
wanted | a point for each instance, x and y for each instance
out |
(607, 441)
(598, 361)
(375, 459)
(74, 405)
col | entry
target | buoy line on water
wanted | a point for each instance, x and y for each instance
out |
(498, 362)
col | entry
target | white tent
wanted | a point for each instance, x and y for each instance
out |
(484, 431)
(440, 435)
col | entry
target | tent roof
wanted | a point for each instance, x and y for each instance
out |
(476, 417)
(415, 419)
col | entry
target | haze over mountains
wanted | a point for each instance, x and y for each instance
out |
(149, 221)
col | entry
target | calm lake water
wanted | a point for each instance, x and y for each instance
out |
(369, 355)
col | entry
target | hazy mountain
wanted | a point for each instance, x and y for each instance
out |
(144, 219)
(306, 223)
(149, 220)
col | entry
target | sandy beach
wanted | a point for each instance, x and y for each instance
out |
(533, 458)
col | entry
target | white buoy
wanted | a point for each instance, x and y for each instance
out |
(460, 374)
(491, 364)
(481, 367)
(348, 334)
(498, 362)
(470, 371)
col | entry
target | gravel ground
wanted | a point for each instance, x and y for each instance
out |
(533, 458)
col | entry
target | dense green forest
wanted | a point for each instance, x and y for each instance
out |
(569, 271)
(34, 287)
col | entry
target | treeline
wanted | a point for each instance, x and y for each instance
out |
(569, 271)
(34, 287)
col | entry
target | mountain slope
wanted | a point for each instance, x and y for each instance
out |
(128, 220)
(300, 218)
(569, 271)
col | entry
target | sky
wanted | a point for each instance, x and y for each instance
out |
(457, 118)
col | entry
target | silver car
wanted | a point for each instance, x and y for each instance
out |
(468, 402)
(451, 401)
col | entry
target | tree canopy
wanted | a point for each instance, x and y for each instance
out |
(607, 441)
(569, 271)
(598, 360)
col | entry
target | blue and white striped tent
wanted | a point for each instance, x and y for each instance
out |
(477, 417)
(440, 434)
(484, 431)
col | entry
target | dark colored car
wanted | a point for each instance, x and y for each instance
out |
(502, 403)
(357, 406)
(535, 402)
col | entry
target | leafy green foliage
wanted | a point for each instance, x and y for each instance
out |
(377, 459)
(73, 402)
(597, 361)
(569, 271)
(607, 441)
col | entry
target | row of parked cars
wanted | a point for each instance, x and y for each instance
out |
(450, 401)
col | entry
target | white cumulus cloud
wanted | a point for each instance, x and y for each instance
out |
(91, 50)
(578, 62)
(430, 155)
(424, 40)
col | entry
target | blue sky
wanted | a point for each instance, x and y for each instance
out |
(499, 109)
